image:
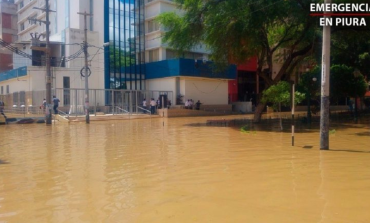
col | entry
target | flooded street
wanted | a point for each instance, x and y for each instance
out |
(142, 171)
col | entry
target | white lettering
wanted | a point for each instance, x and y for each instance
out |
(326, 21)
(348, 7)
(347, 21)
(355, 8)
(338, 21)
(312, 7)
(341, 7)
(363, 22)
(334, 7)
(320, 7)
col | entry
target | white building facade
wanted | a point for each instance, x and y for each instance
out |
(136, 58)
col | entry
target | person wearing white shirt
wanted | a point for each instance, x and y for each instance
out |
(186, 104)
(191, 104)
(152, 106)
(144, 105)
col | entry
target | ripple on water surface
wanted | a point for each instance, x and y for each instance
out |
(142, 171)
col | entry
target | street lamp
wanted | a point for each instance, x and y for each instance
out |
(309, 100)
(356, 74)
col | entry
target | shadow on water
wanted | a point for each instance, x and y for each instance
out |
(347, 150)
(338, 150)
(307, 147)
(273, 125)
(3, 162)
(362, 134)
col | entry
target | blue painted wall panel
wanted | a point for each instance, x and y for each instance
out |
(22, 71)
(187, 67)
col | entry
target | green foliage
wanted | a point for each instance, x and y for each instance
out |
(279, 94)
(245, 129)
(310, 81)
(238, 29)
(345, 83)
(351, 48)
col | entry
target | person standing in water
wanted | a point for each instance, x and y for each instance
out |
(56, 104)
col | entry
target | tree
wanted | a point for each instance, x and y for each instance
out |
(279, 95)
(309, 84)
(346, 82)
(238, 29)
(351, 48)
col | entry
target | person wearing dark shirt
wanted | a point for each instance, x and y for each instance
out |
(2, 105)
(197, 105)
(56, 104)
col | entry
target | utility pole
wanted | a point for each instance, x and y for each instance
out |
(87, 73)
(293, 109)
(47, 58)
(325, 86)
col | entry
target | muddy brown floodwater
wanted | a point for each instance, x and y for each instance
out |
(142, 171)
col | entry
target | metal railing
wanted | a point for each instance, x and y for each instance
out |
(62, 113)
(103, 101)
(145, 110)
(121, 109)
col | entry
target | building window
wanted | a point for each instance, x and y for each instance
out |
(191, 55)
(141, 58)
(170, 54)
(55, 17)
(66, 91)
(32, 17)
(22, 27)
(2, 90)
(125, 27)
(91, 12)
(66, 11)
(21, 4)
(22, 98)
(153, 26)
(15, 98)
(153, 55)
(7, 89)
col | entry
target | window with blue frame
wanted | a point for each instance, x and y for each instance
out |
(125, 63)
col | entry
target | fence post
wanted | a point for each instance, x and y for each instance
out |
(136, 103)
(95, 102)
(76, 92)
(112, 102)
(130, 102)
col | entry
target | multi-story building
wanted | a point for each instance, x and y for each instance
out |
(136, 59)
(8, 32)
(190, 76)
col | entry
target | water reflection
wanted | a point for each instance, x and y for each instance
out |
(142, 171)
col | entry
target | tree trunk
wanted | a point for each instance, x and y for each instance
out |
(258, 112)
(281, 121)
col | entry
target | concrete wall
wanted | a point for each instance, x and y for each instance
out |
(96, 80)
(34, 82)
(152, 9)
(163, 84)
(208, 91)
